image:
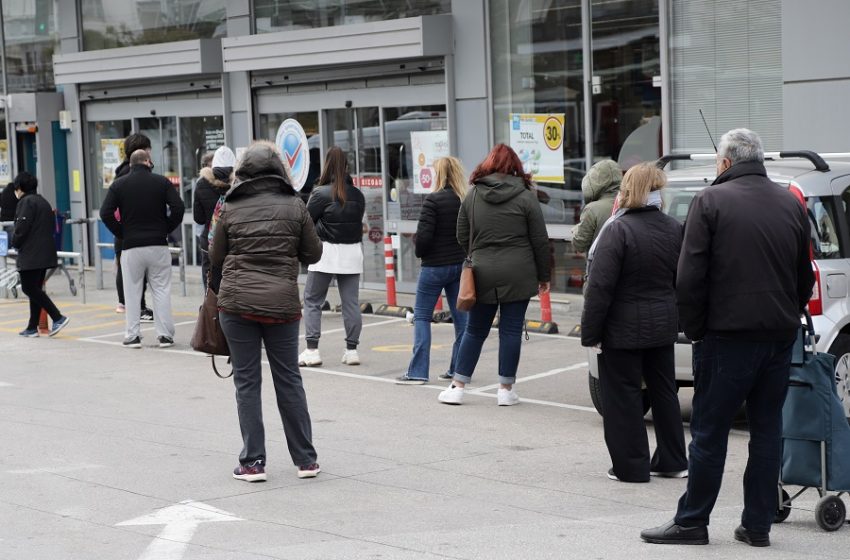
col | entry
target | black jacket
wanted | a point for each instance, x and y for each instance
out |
(35, 223)
(335, 222)
(208, 190)
(630, 295)
(8, 203)
(744, 270)
(150, 208)
(436, 233)
(510, 245)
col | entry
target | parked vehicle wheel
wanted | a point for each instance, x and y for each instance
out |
(841, 350)
(830, 513)
(784, 509)
(596, 394)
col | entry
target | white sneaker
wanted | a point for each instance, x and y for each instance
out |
(351, 358)
(507, 397)
(452, 395)
(310, 357)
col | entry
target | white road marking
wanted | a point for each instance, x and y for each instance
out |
(57, 470)
(4, 384)
(146, 329)
(532, 377)
(181, 521)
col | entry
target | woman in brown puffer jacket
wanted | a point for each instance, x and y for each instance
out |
(264, 232)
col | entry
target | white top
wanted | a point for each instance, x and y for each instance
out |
(340, 258)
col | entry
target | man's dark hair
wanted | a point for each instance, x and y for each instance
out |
(136, 142)
(26, 182)
(139, 157)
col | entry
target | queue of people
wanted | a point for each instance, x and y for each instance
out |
(647, 276)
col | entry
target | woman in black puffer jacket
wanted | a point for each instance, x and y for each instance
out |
(337, 209)
(442, 259)
(630, 314)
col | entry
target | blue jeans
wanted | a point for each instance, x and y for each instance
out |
(511, 321)
(728, 373)
(432, 281)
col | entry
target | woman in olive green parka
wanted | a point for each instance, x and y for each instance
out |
(510, 259)
(599, 188)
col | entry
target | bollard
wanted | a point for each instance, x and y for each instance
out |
(545, 308)
(42, 317)
(545, 325)
(390, 268)
(390, 308)
(439, 306)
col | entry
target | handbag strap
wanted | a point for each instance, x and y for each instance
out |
(215, 369)
(471, 222)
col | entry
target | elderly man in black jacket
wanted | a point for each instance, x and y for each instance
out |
(744, 278)
(150, 208)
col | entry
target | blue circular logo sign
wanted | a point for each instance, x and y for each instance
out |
(292, 142)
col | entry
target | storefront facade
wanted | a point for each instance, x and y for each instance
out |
(566, 82)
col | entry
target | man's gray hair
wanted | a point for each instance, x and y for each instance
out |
(740, 145)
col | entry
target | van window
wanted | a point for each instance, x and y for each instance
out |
(823, 216)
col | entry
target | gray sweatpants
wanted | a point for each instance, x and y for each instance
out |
(315, 292)
(155, 261)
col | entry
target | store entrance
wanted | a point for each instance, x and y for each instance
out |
(178, 142)
(381, 140)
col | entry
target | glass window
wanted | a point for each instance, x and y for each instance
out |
(32, 37)
(537, 71)
(626, 102)
(123, 23)
(105, 147)
(280, 15)
(823, 217)
(726, 59)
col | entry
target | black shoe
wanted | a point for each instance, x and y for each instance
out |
(405, 380)
(670, 533)
(165, 341)
(752, 538)
(146, 316)
(611, 475)
(135, 342)
(445, 376)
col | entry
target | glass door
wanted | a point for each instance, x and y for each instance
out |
(413, 138)
(358, 133)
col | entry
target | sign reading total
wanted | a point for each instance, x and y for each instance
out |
(292, 142)
(427, 147)
(538, 140)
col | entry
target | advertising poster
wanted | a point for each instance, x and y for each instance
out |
(112, 154)
(427, 147)
(5, 168)
(538, 140)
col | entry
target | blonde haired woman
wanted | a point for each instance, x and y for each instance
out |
(630, 313)
(442, 259)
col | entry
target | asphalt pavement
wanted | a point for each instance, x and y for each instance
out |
(113, 453)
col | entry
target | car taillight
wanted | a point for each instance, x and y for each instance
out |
(816, 303)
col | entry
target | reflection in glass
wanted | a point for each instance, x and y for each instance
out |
(537, 68)
(103, 136)
(279, 15)
(32, 37)
(626, 56)
(123, 23)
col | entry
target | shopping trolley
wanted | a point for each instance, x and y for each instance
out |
(815, 434)
(58, 233)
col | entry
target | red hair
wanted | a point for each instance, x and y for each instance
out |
(501, 159)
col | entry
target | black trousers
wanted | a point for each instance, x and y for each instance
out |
(32, 284)
(620, 375)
